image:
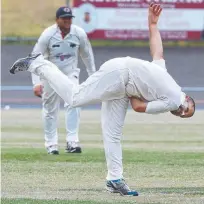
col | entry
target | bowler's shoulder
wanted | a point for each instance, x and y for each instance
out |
(160, 62)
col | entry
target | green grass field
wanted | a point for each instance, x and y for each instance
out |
(163, 159)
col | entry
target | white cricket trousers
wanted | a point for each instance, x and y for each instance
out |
(50, 110)
(107, 86)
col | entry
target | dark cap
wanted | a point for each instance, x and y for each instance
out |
(64, 12)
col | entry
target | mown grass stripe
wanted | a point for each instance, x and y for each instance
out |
(35, 201)
(97, 155)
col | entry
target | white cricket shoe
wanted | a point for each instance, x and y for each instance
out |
(73, 147)
(53, 149)
(23, 64)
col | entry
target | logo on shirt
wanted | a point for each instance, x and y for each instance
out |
(63, 57)
(72, 45)
(56, 46)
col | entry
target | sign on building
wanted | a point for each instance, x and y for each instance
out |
(127, 19)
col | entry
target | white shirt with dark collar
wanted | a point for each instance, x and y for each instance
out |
(63, 51)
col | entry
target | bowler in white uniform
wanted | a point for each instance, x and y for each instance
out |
(61, 44)
(147, 85)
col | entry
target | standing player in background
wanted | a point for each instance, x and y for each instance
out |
(61, 43)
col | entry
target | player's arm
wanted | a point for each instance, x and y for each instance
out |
(40, 47)
(156, 47)
(153, 107)
(86, 53)
(138, 105)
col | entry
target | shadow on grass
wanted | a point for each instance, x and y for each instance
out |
(174, 190)
(186, 191)
(170, 190)
(35, 201)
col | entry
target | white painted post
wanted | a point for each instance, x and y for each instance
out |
(68, 3)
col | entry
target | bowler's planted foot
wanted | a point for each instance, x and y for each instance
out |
(119, 186)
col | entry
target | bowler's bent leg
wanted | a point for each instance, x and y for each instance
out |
(60, 83)
(105, 84)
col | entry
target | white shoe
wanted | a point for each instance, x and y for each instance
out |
(53, 149)
(23, 64)
(73, 147)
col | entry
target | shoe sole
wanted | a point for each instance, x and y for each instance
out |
(75, 150)
(53, 153)
(111, 190)
(72, 152)
(12, 70)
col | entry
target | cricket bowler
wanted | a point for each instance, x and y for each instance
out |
(147, 85)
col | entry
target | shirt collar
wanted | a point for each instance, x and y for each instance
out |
(70, 33)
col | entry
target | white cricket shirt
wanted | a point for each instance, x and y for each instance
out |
(63, 52)
(150, 81)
